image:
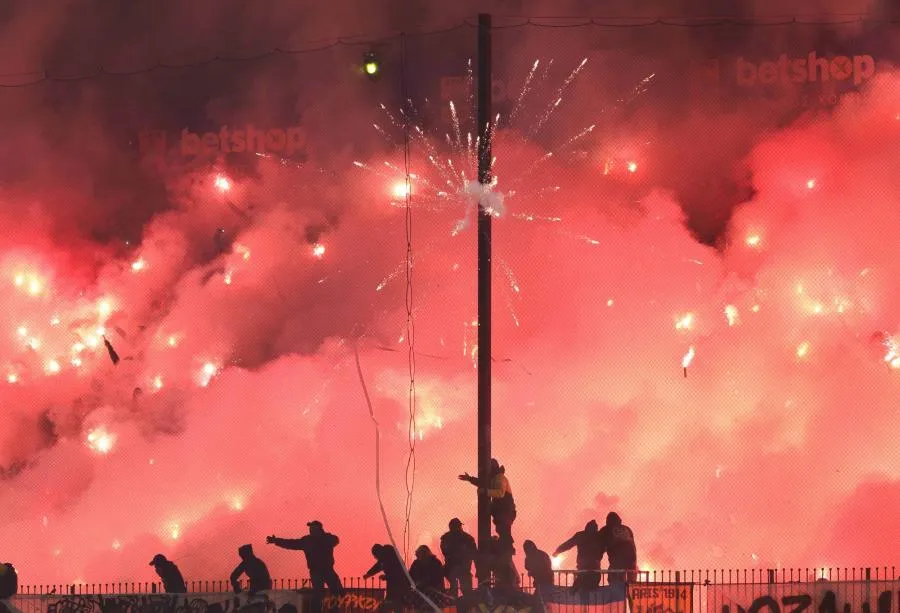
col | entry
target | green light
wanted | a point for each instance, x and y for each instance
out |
(371, 65)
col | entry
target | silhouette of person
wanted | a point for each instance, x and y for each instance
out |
(503, 506)
(539, 568)
(173, 582)
(617, 540)
(397, 583)
(9, 581)
(459, 550)
(427, 572)
(254, 568)
(590, 552)
(318, 546)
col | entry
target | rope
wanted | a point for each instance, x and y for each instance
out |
(828, 19)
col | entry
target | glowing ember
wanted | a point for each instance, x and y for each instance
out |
(222, 183)
(318, 250)
(12, 378)
(100, 440)
(802, 350)
(52, 367)
(810, 184)
(684, 322)
(754, 240)
(157, 382)
(138, 264)
(688, 357)
(172, 341)
(731, 314)
(632, 167)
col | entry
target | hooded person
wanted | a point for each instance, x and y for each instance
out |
(617, 541)
(173, 582)
(503, 505)
(254, 568)
(590, 552)
(459, 550)
(318, 546)
(539, 567)
(388, 562)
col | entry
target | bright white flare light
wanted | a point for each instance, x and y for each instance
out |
(318, 250)
(401, 189)
(100, 440)
(688, 357)
(222, 183)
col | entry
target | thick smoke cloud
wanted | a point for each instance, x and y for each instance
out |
(234, 290)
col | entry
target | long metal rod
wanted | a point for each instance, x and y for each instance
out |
(484, 278)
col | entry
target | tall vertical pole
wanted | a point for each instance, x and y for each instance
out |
(484, 278)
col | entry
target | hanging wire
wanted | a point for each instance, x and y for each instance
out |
(36, 77)
(410, 321)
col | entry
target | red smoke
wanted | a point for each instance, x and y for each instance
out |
(776, 448)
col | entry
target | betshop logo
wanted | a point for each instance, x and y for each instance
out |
(785, 70)
(284, 142)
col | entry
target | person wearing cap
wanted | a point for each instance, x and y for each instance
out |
(173, 582)
(254, 568)
(459, 550)
(617, 541)
(318, 546)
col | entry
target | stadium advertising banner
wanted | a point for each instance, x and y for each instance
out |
(642, 598)
(818, 597)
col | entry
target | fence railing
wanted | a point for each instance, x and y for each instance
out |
(563, 578)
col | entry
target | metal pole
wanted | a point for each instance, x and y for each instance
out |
(484, 278)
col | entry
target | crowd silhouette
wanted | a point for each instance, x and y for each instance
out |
(428, 579)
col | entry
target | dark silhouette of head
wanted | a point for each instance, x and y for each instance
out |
(495, 466)
(245, 551)
(529, 546)
(613, 519)
(377, 550)
(315, 527)
(591, 526)
(455, 524)
(158, 559)
(423, 551)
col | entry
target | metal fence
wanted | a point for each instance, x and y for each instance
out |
(563, 578)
